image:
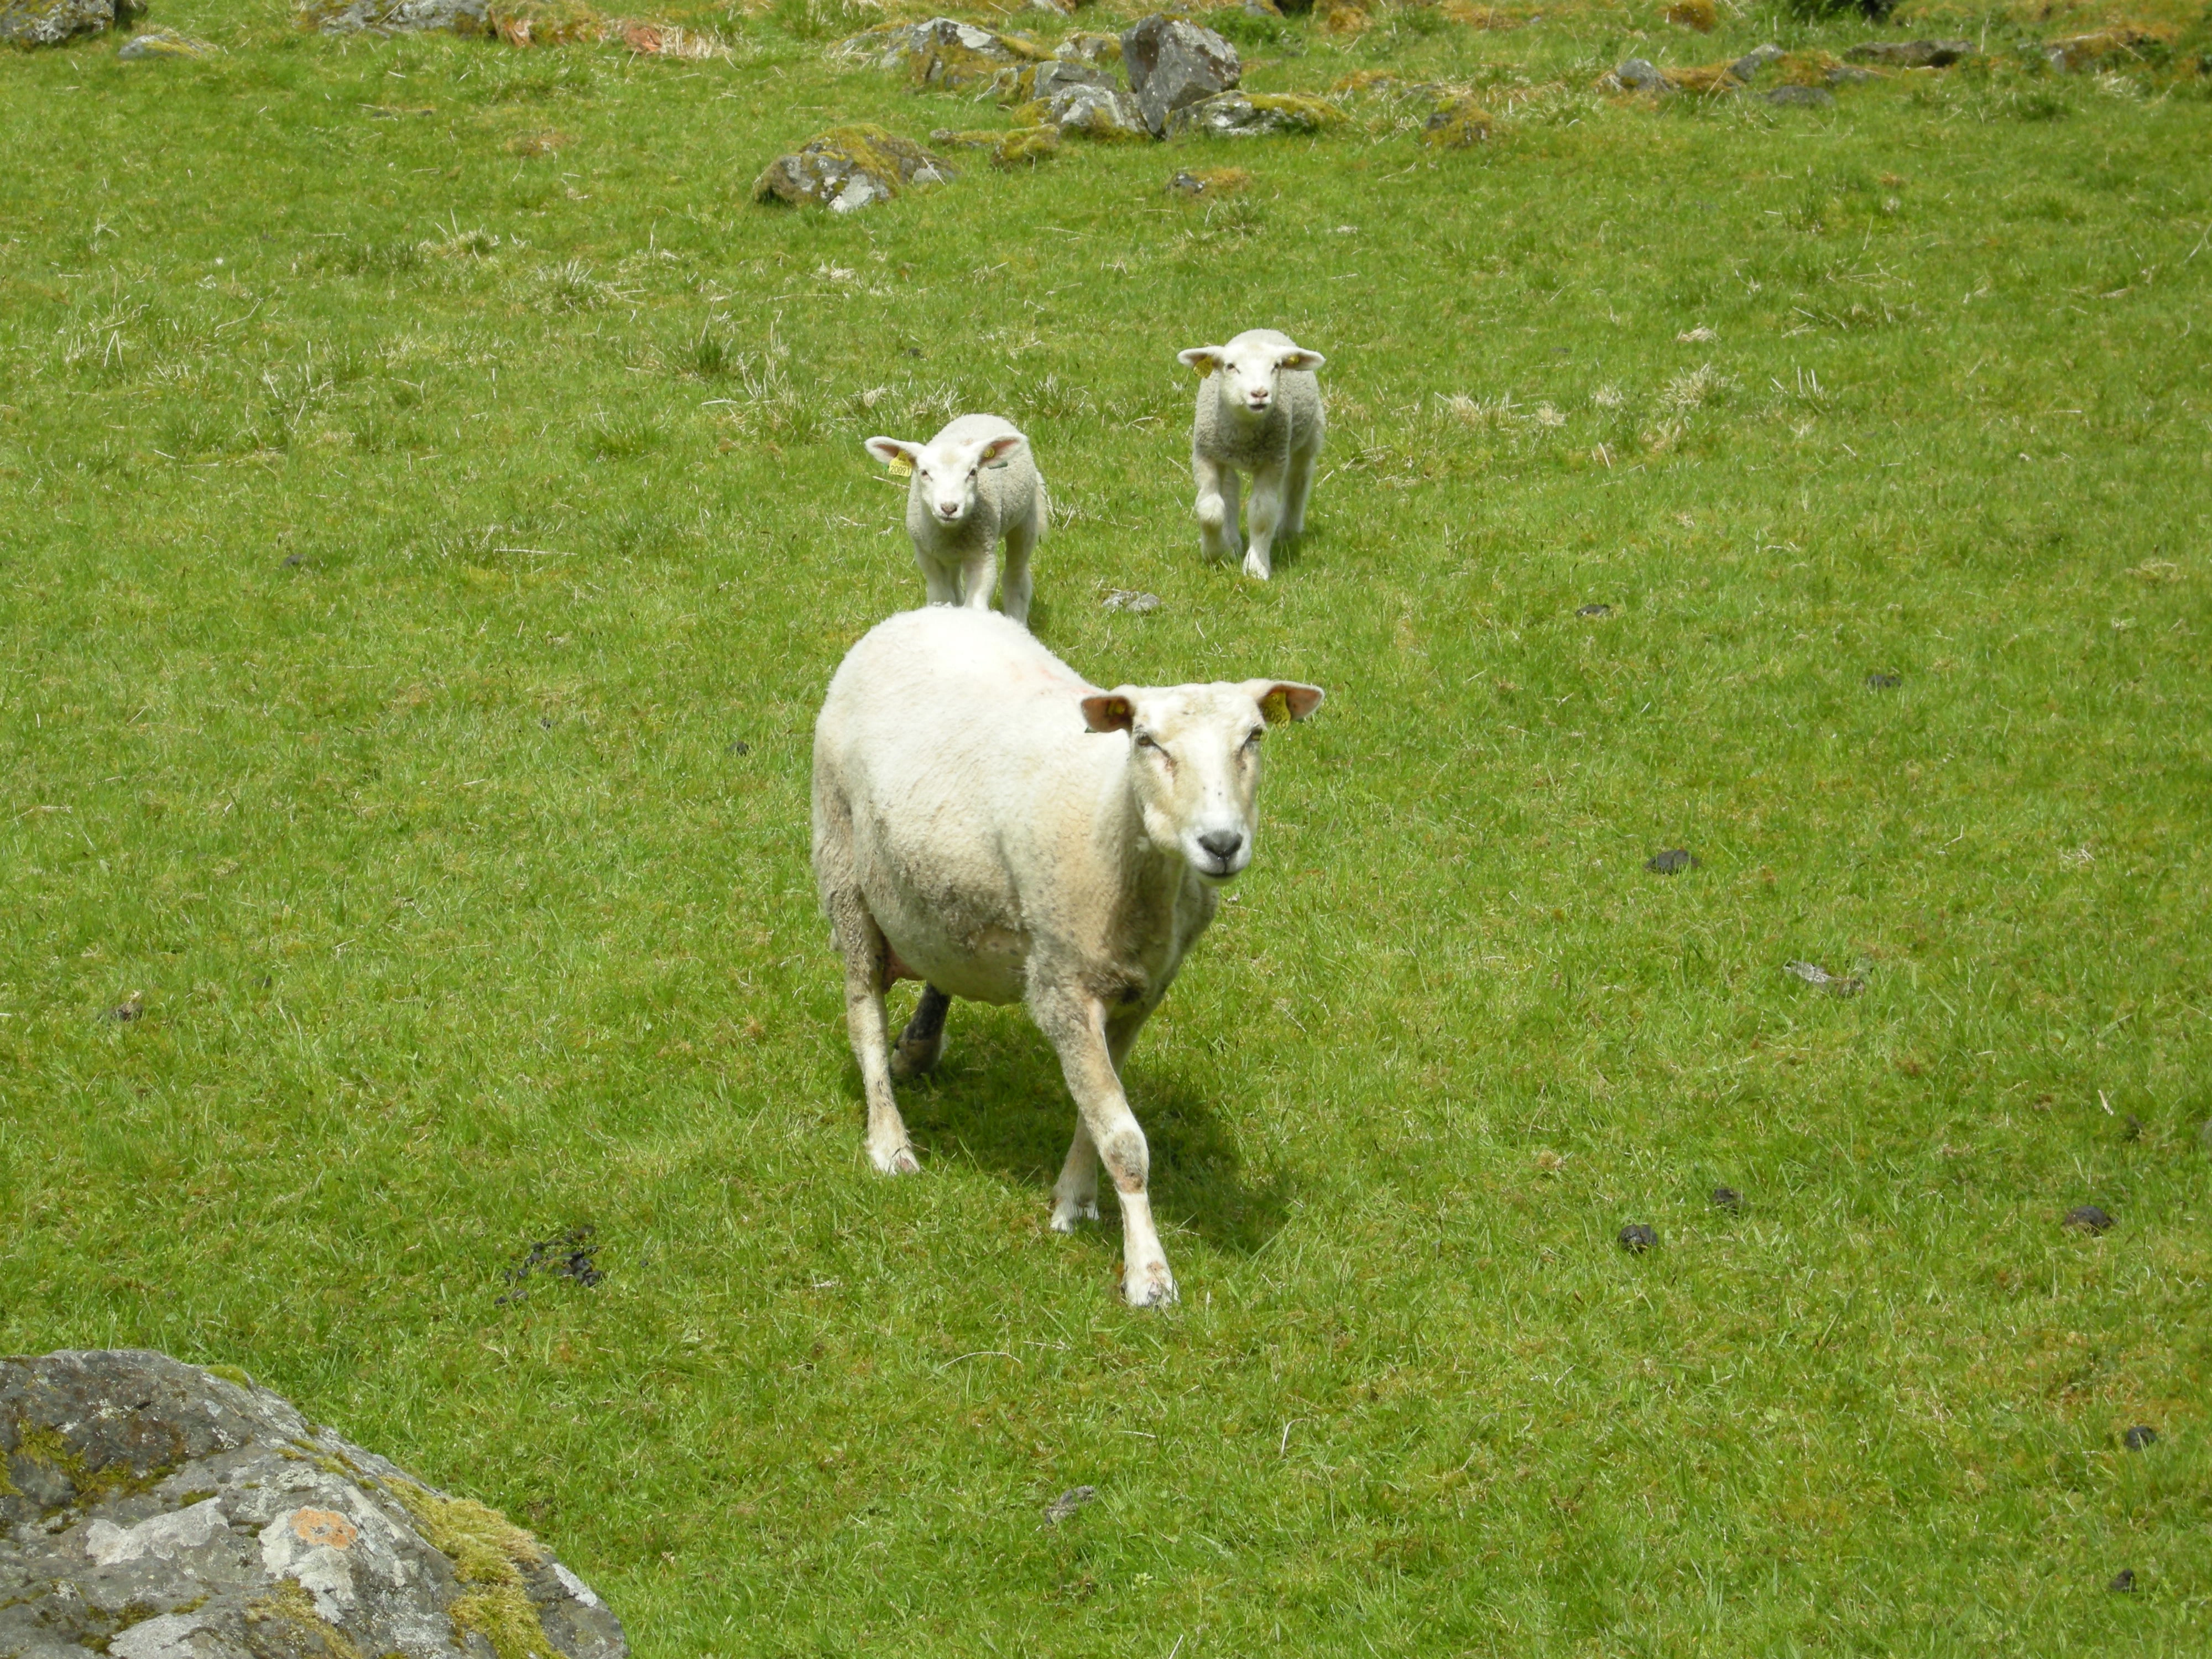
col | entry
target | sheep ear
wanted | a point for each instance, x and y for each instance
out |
(1004, 444)
(1300, 358)
(1283, 700)
(1108, 711)
(891, 452)
(1207, 360)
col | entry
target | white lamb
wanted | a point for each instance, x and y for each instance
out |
(1259, 412)
(973, 485)
(990, 823)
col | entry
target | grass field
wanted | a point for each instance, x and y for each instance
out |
(432, 504)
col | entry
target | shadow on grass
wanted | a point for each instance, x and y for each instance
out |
(997, 1098)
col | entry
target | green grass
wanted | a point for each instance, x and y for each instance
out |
(424, 560)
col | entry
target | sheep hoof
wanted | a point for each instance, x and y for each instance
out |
(1256, 567)
(896, 1161)
(910, 1061)
(1069, 1213)
(1151, 1286)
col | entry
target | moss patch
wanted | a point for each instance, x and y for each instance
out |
(284, 1624)
(487, 1552)
(45, 1447)
(1458, 124)
(1299, 110)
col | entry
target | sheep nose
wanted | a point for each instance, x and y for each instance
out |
(1222, 844)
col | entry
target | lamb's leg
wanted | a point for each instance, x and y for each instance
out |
(1075, 1194)
(923, 1041)
(979, 574)
(1297, 486)
(1217, 508)
(867, 970)
(1021, 542)
(940, 581)
(1076, 1024)
(1261, 520)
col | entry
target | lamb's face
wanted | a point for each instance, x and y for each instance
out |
(1247, 372)
(1195, 762)
(945, 472)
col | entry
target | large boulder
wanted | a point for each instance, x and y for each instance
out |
(395, 17)
(848, 168)
(151, 1510)
(1172, 63)
(1096, 113)
(49, 22)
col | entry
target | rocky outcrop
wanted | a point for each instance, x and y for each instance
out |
(1909, 54)
(395, 17)
(1172, 65)
(940, 52)
(49, 22)
(848, 168)
(1254, 115)
(151, 1510)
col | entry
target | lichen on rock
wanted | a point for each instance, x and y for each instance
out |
(151, 1510)
(848, 168)
(395, 17)
(50, 22)
(1254, 115)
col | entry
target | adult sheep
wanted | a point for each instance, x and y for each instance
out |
(988, 822)
(1259, 412)
(975, 484)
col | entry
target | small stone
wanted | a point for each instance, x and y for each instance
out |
(2204, 1134)
(1640, 75)
(2123, 1581)
(1673, 861)
(2139, 1437)
(1210, 181)
(1727, 1198)
(1746, 67)
(150, 43)
(1461, 124)
(1884, 682)
(1136, 604)
(1068, 1503)
(1699, 15)
(292, 561)
(741, 747)
(1636, 1238)
(1596, 609)
(1844, 74)
(124, 1012)
(2088, 1218)
(1800, 97)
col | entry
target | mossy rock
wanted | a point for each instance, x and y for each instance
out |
(152, 46)
(547, 22)
(1297, 112)
(1027, 146)
(1254, 115)
(395, 17)
(1343, 17)
(49, 22)
(850, 168)
(1460, 125)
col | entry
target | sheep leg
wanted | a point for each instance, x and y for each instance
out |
(867, 970)
(1021, 542)
(1296, 488)
(940, 578)
(923, 1041)
(1075, 1194)
(1261, 520)
(1077, 1026)
(1217, 508)
(979, 574)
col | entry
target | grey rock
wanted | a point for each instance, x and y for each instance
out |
(1640, 75)
(1800, 97)
(1057, 77)
(149, 45)
(1099, 111)
(49, 22)
(1085, 47)
(1172, 63)
(1068, 1503)
(1748, 67)
(1233, 115)
(1910, 54)
(848, 168)
(395, 17)
(941, 50)
(1847, 75)
(1137, 604)
(154, 1511)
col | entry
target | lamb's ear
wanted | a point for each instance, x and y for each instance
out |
(1299, 358)
(1108, 711)
(1004, 444)
(891, 452)
(1283, 700)
(1207, 360)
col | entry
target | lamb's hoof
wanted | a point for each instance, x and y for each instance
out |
(896, 1161)
(1068, 1213)
(914, 1061)
(1256, 568)
(1150, 1288)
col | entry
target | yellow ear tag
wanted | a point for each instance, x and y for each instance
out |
(901, 467)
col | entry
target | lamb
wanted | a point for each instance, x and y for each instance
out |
(988, 822)
(974, 483)
(1259, 411)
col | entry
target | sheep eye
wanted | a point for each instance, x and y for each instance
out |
(1145, 741)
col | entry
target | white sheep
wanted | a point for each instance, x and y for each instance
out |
(990, 823)
(1259, 412)
(975, 484)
